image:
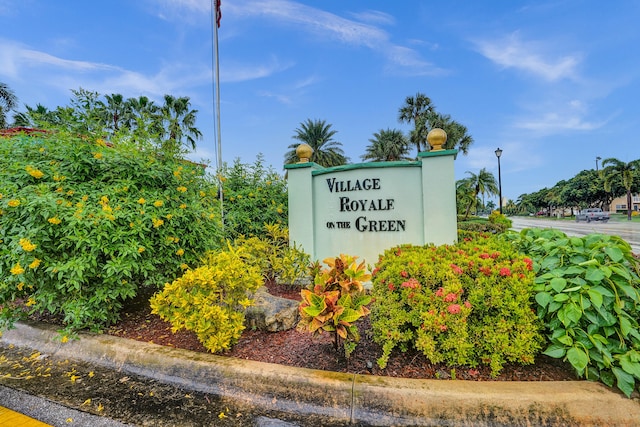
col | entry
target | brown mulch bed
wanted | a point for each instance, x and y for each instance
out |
(293, 348)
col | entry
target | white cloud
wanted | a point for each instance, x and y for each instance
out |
(531, 57)
(374, 17)
(555, 122)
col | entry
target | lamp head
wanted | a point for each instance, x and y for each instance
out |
(498, 153)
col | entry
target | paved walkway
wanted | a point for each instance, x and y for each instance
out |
(330, 398)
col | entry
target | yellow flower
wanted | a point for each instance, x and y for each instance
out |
(97, 156)
(141, 249)
(202, 194)
(20, 286)
(85, 198)
(158, 203)
(142, 201)
(183, 206)
(30, 302)
(180, 252)
(104, 200)
(14, 203)
(169, 216)
(101, 142)
(182, 189)
(184, 266)
(17, 269)
(36, 173)
(36, 262)
(0, 196)
(55, 220)
(64, 339)
(176, 174)
(27, 245)
(59, 190)
(70, 193)
(157, 222)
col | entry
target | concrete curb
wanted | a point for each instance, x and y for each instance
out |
(346, 398)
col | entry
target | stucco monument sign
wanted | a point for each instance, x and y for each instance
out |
(363, 209)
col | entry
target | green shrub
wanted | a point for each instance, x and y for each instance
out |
(83, 225)
(278, 261)
(253, 196)
(497, 218)
(335, 301)
(211, 299)
(588, 296)
(464, 304)
(482, 227)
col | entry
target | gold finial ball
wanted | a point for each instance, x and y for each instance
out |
(304, 152)
(436, 138)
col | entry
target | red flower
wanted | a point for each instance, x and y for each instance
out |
(440, 292)
(443, 328)
(473, 372)
(456, 269)
(495, 255)
(454, 309)
(484, 255)
(411, 283)
(467, 304)
(391, 287)
(504, 271)
(485, 270)
(529, 263)
(404, 274)
(375, 271)
(451, 297)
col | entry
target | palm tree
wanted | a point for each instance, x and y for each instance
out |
(36, 117)
(417, 110)
(115, 111)
(179, 122)
(387, 146)
(482, 183)
(614, 170)
(8, 102)
(457, 136)
(318, 134)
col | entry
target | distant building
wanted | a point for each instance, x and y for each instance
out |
(619, 204)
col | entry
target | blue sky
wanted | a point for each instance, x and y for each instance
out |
(555, 84)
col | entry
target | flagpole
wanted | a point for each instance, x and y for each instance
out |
(216, 23)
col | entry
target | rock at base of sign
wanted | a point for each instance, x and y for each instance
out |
(271, 313)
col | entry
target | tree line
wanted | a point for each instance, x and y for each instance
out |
(170, 126)
(589, 188)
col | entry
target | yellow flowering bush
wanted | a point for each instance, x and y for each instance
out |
(73, 230)
(210, 300)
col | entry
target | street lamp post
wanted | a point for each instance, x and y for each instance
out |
(597, 158)
(498, 154)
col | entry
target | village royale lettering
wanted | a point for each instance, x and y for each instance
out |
(348, 204)
(357, 185)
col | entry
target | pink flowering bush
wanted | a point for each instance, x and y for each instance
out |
(467, 304)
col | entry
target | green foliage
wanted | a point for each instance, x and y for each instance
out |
(336, 301)
(482, 227)
(83, 225)
(497, 218)
(253, 196)
(464, 304)
(211, 299)
(588, 296)
(276, 258)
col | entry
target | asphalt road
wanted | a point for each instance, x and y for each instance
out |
(627, 230)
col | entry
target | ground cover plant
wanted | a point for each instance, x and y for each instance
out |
(588, 296)
(466, 304)
(84, 224)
